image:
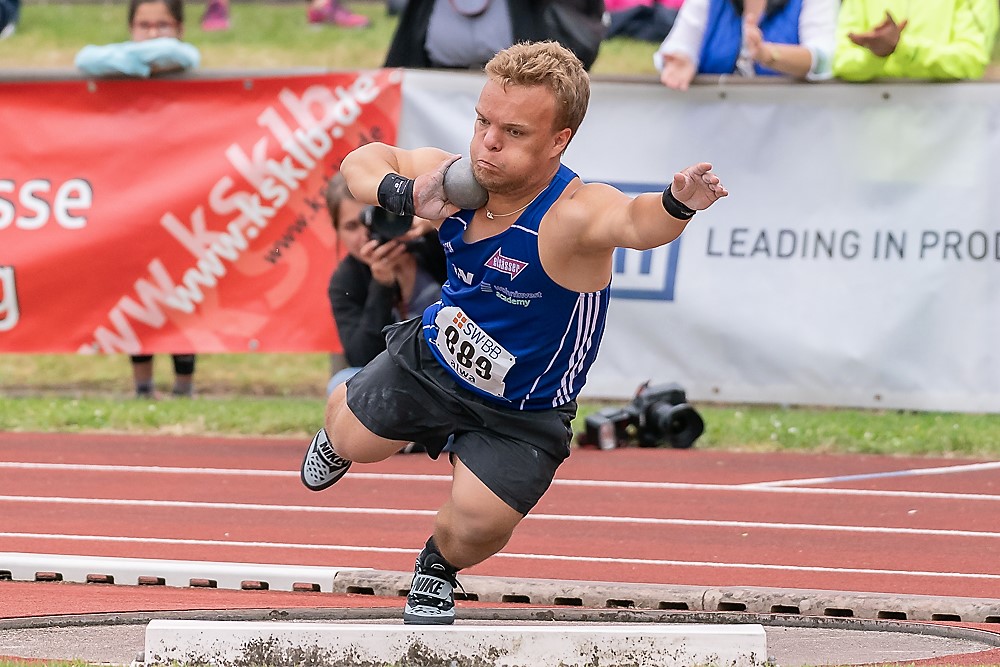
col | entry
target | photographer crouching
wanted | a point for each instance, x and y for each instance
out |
(393, 270)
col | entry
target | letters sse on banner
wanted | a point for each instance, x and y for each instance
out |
(177, 215)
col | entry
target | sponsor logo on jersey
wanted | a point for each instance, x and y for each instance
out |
(465, 276)
(514, 297)
(448, 248)
(507, 265)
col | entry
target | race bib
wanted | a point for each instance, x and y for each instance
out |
(471, 352)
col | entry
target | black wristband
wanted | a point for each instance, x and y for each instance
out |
(395, 194)
(676, 208)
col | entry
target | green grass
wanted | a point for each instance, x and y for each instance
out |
(263, 36)
(283, 395)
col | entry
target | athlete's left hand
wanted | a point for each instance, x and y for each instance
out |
(697, 186)
(428, 193)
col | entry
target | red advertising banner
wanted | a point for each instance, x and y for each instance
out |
(177, 215)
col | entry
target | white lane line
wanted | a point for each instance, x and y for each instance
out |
(518, 556)
(215, 472)
(910, 472)
(680, 486)
(405, 477)
(382, 511)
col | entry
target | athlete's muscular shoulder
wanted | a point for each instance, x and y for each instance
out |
(573, 249)
(586, 211)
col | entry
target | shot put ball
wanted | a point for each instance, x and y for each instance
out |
(461, 187)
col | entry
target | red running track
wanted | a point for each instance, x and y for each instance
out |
(694, 517)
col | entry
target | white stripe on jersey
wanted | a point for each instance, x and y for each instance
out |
(586, 325)
(555, 355)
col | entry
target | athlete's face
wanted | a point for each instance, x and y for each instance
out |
(515, 138)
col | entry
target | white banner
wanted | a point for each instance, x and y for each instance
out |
(856, 262)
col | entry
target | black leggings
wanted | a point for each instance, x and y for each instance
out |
(183, 363)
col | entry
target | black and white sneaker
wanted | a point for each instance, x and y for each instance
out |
(321, 468)
(431, 600)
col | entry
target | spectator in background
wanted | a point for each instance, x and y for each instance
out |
(394, 7)
(646, 20)
(216, 16)
(156, 27)
(778, 37)
(10, 13)
(142, 375)
(376, 285)
(465, 34)
(944, 39)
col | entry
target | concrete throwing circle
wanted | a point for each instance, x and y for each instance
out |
(792, 640)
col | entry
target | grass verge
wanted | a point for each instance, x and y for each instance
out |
(283, 395)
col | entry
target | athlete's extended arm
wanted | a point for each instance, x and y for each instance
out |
(648, 220)
(377, 173)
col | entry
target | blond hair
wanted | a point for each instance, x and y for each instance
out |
(551, 65)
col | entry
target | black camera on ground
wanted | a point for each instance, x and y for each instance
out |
(657, 415)
(384, 226)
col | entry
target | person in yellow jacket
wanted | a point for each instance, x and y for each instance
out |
(915, 39)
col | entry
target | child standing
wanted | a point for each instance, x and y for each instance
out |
(156, 28)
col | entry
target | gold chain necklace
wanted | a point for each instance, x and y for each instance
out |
(491, 215)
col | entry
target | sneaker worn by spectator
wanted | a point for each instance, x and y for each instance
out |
(182, 389)
(431, 600)
(321, 467)
(334, 13)
(216, 16)
(145, 390)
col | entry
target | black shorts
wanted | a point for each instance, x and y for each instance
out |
(406, 394)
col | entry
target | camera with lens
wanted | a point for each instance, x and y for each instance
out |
(384, 226)
(658, 415)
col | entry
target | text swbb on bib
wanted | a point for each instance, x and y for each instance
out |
(471, 352)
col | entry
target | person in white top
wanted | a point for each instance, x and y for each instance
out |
(793, 38)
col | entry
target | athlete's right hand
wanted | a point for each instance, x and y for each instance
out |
(428, 193)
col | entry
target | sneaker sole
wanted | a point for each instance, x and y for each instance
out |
(312, 453)
(420, 619)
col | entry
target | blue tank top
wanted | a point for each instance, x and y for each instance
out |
(503, 328)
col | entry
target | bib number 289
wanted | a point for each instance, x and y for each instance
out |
(471, 352)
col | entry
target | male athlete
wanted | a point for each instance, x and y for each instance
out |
(500, 359)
